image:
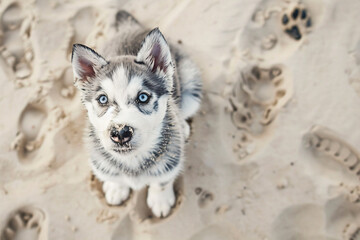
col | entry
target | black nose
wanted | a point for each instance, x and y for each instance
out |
(121, 135)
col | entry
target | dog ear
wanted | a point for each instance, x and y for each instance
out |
(85, 62)
(155, 53)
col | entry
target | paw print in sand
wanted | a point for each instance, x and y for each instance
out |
(258, 96)
(325, 141)
(296, 21)
(26, 223)
(255, 99)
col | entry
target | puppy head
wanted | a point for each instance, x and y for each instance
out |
(126, 97)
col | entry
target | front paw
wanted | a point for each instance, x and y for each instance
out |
(161, 200)
(115, 193)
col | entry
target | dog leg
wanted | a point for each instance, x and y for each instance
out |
(115, 193)
(161, 198)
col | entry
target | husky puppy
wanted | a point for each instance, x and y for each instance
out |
(138, 94)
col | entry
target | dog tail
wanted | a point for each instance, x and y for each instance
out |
(191, 86)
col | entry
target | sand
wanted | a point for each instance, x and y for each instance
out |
(273, 153)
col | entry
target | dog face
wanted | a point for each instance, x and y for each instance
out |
(126, 97)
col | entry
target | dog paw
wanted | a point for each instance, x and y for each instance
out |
(115, 193)
(160, 200)
(148, 208)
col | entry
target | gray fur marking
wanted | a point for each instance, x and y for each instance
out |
(122, 51)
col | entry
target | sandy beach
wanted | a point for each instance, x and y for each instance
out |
(274, 151)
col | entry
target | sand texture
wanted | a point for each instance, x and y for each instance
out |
(274, 152)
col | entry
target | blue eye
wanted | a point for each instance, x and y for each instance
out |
(143, 98)
(103, 99)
